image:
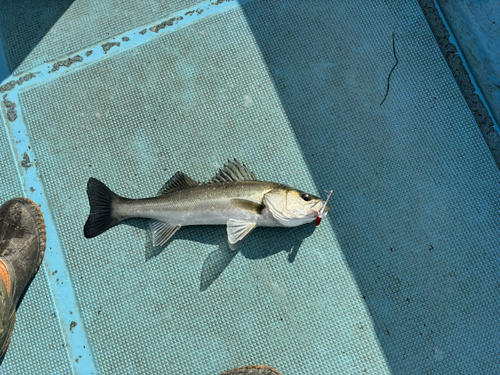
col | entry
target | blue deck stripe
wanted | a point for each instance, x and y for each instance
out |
(109, 48)
(75, 336)
(471, 76)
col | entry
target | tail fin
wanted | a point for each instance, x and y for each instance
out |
(101, 217)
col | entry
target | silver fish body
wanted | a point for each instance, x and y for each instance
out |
(234, 197)
(207, 204)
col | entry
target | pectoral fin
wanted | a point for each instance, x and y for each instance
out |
(162, 231)
(237, 230)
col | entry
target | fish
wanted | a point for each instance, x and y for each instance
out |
(234, 197)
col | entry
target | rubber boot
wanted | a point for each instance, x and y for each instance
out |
(22, 245)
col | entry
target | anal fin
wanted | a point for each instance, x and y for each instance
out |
(162, 231)
(237, 230)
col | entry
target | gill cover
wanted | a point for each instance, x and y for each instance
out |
(289, 208)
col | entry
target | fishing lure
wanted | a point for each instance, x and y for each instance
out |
(322, 211)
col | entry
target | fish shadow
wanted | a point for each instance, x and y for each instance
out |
(261, 243)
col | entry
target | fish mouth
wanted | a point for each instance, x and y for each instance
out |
(321, 209)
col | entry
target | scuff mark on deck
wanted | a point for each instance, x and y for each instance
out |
(65, 63)
(107, 46)
(11, 109)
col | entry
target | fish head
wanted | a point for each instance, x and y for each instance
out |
(291, 207)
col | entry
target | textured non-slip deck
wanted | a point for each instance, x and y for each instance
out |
(402, 275)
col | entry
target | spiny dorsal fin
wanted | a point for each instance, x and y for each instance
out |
(233, 171)
(177, 182)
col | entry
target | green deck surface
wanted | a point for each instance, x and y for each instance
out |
(402, 276)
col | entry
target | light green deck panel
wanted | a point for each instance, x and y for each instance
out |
(401, 277)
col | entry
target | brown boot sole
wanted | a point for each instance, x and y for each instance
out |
(40, 224)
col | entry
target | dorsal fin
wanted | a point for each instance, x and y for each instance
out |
(233, 171)
(177, 182)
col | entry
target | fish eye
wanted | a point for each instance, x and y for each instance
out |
(305, 197)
